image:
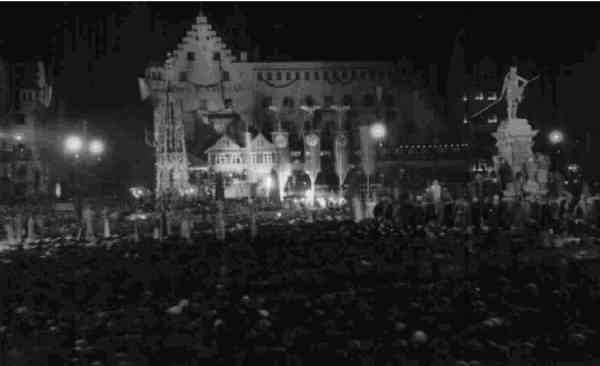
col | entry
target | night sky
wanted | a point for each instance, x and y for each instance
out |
(550, 34)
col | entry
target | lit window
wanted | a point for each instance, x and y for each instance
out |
(479, 96)
(465, 98)
(465, 120)
(493, 119)
(492, 96)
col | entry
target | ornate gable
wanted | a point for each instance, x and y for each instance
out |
(224, 144)
(260, 143)
(200, 54)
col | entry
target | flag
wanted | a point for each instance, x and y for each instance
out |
(46, 97)
(367, 150)
(341, 156)
(41, 74)
(312, 161)
(144, 88)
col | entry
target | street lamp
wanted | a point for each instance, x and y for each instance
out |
(96, 147)
(556, 137)
(73, 144)
(378, 131)
(77, 145)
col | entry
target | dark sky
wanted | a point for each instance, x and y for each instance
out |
(550, 33)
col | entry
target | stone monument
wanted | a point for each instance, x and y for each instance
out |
(514, 140)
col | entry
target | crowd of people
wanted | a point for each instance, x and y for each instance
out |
(411, 286)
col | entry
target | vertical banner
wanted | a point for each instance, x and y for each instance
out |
(340, 149)
(281, 141)
(312, 160)
(312, 149)
(367, 151)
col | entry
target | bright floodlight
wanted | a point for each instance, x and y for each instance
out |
(378, 130)
(73, 144)
(96, 147)
(556, 137)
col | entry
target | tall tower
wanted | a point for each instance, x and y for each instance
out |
(172, 176)
(456, 82)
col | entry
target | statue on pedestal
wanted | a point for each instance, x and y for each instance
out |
(513, 88)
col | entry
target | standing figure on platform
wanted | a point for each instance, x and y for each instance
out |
(512, 89)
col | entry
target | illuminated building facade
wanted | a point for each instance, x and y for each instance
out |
(24, 95)
(222, 94)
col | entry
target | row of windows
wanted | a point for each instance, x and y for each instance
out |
(325, 75)
(183, 76)
(28, 96)
(480, 96)
(191, 56)
(491, 119)
(155, 75)
(368, 100)
(236, 158)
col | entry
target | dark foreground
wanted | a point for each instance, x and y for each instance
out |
(301, 294)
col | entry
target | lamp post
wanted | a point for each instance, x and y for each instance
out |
(377, 131)
(82, 151)
(556, 139)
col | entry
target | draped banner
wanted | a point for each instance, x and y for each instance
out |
(280, 139)
(312, 160)
(341, 148)
(367, 150)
